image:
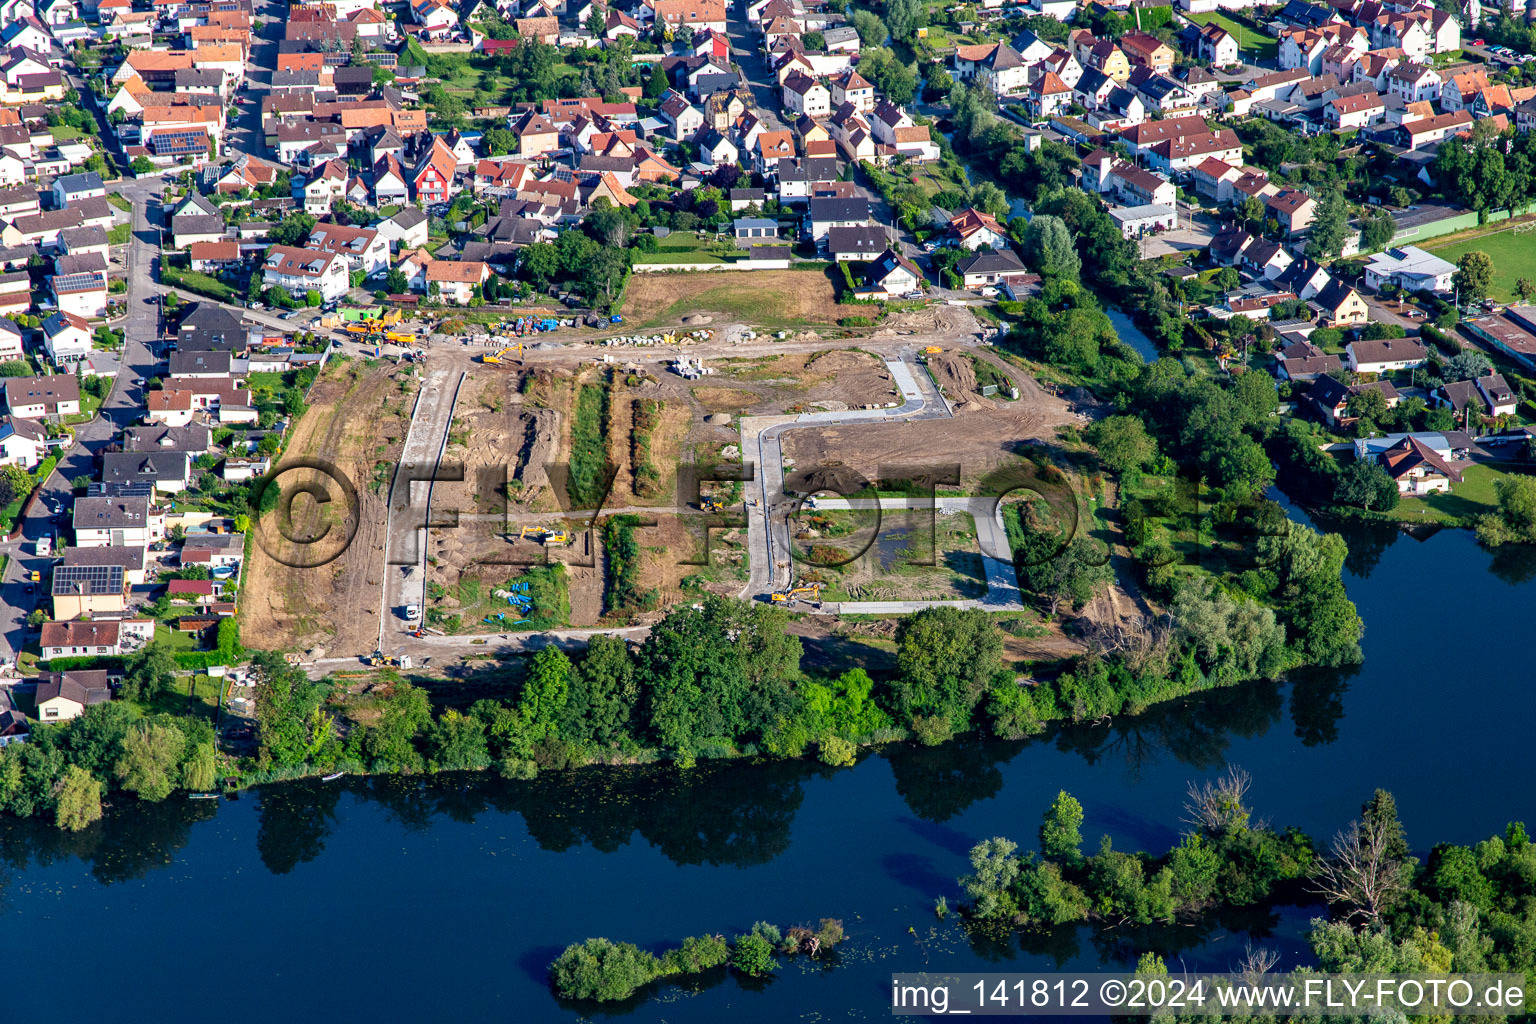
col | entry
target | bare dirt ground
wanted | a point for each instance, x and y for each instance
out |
(761, 296)
(357, 418)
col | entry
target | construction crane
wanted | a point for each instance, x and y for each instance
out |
(809, 591)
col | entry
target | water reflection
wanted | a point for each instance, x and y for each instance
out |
(737, 814)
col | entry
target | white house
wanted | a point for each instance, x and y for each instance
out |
(364, 248)
(1384, 355)
(66, 339)
(302, 270)
(405, 230)
(1409, 268)
(21, 442)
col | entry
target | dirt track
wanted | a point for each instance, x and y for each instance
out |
(357, 419)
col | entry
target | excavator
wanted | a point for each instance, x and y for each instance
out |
(556, 537)
(709, 505)
(809, 591)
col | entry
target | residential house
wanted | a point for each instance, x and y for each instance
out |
(1341, 306)
(997, 66)
(1384, 355)
(891, 275)
(971, 229)
(456, 280)
(991, 269)
(1416, 468)
(802, 94)
(167, 472)
(79, 590)
(39, 397)
(1330, 397)
(824, 214)
(1147, 51)
(22, 442)
(1304, 361)
(116, 522)
(405, 230)
(62, 696)
(300, 271)
(856, 244)
(364, 248)
(1293, 209)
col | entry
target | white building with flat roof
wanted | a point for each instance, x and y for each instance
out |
(1409, 268)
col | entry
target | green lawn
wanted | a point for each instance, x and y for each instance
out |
(1514, 257)
(175, 639)
(685, 247)
(1248, 40)
(121, 202)
(1474, 496)
(119, 234)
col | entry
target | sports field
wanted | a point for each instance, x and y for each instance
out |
(1514, 257)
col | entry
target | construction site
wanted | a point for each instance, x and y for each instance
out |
(357, 419)
(553, 453)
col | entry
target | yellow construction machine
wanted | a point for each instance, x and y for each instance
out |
(809, 591)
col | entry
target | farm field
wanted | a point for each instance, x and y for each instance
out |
(1514, 257)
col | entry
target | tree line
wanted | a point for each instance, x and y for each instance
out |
(1462, 909)
(717, 680)
(599, 970)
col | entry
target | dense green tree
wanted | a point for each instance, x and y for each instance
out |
(151, 760)
(904, 18)
(889, 74)
(292, 727)
(293, 229)
(602, 694)
(1366, 484)
(753, 956)
(1330, 225)
(1048, 248)
(147, 672)
(1061, 835)
(1515, 519)
(1122, 442)
(602, 971)
(1468, 364)
(457, 742)
(545, 693)
(1474, 276)
(871, 29)
(1377, 231)
(945, 658)
(78, 800)
(404, 713)
(994, 870)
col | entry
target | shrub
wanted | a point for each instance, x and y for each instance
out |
(602, 971)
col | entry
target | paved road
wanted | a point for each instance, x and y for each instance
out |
(406, 537)
(123, 407)
(748, 55)
(768, 510)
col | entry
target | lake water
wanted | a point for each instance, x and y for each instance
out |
(395, 899)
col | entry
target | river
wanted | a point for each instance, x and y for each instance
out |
(398, 899)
